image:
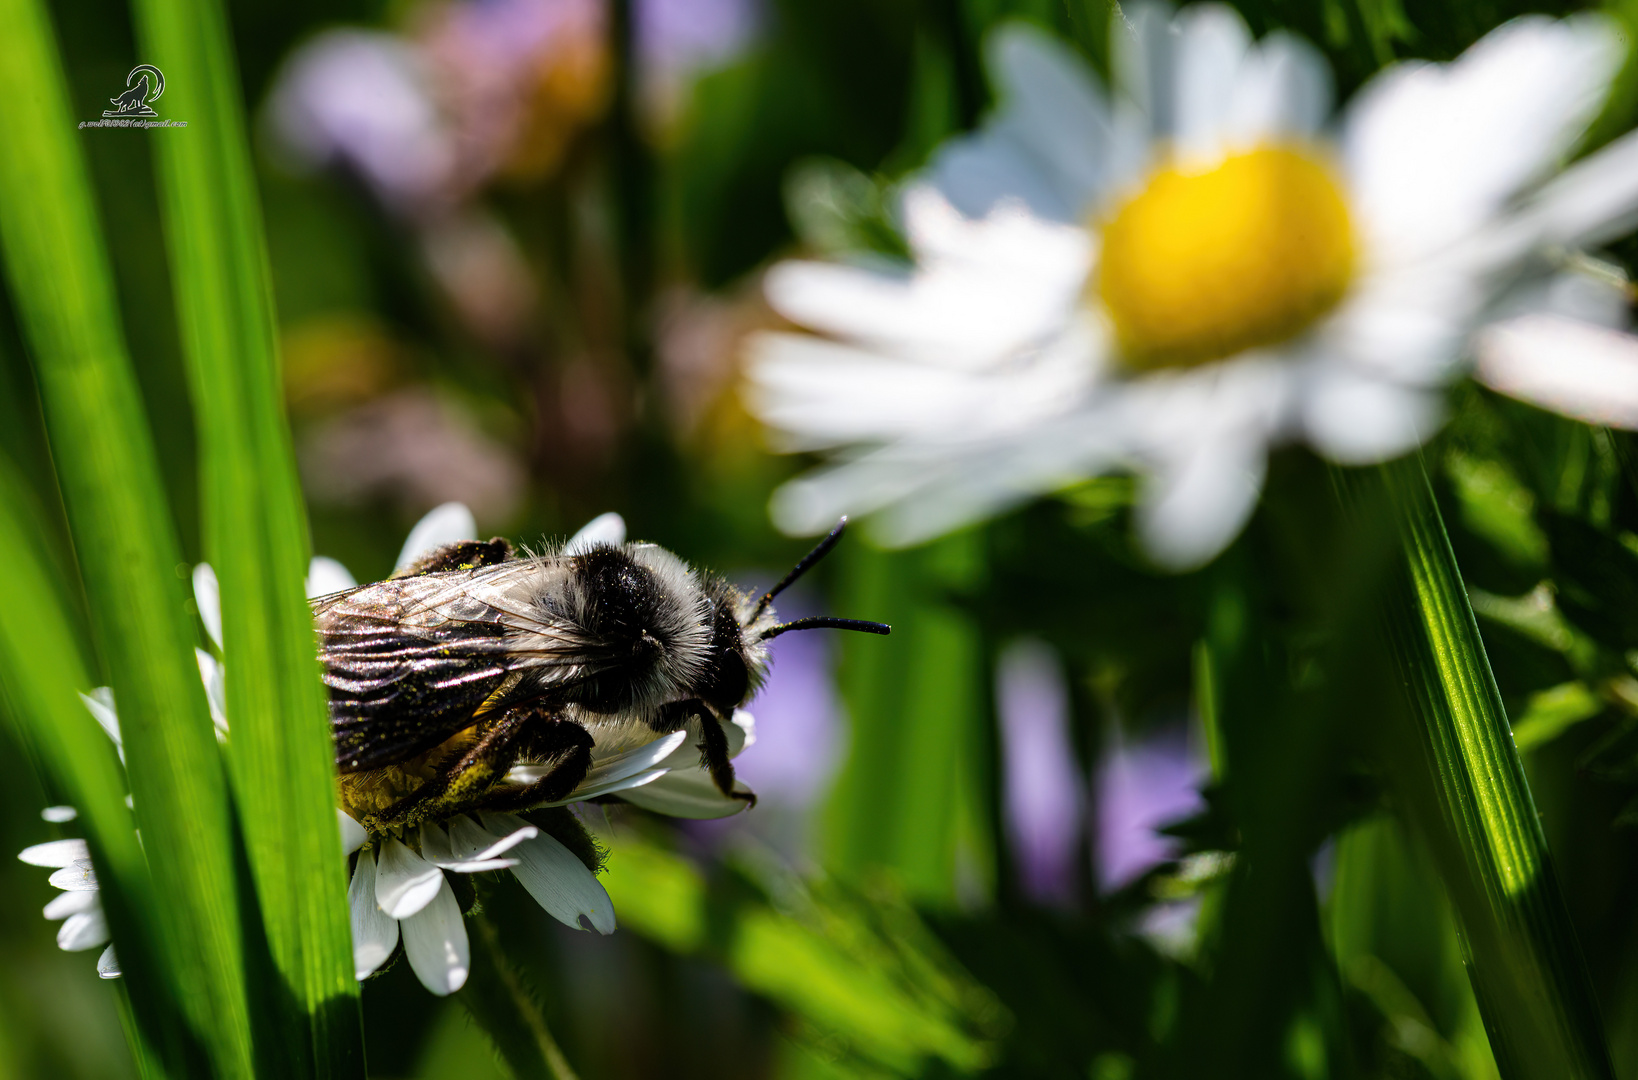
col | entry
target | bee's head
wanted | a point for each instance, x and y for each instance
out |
(737, 660)
(740, 629)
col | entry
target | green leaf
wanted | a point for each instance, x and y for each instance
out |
(1554, 711)
(1466, 790)
(60, 281)
(255, 528)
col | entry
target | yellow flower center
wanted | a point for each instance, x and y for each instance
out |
(1201, 265)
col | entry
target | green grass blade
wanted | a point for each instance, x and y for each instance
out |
(1468, 790)
(60, 281)
(918, 723)
(40, 669)
(254, 525)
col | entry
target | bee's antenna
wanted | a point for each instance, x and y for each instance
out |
(822, 623)
(819, 551)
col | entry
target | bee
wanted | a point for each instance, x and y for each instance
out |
(477, 659)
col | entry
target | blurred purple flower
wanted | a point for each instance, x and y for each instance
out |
(685, 35)
(517, 78)
(358, 98)
(798, 716)
(679, 39)
(472, 90)
(1044, 793)
(1142, 787)
(413, 447)
(1173, 927)
(797, 749)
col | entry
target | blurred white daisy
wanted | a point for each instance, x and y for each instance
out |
(1173, 278)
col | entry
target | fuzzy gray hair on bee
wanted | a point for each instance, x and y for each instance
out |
(476, 659)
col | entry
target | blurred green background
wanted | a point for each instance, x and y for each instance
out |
(515, 244)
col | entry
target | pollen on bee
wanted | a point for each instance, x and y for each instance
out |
(365, 794)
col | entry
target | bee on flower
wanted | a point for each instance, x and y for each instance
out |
(643, 705)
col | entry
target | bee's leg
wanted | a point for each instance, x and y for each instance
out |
(461, 555)
(713, 744)
(465, 780)
(562, 746)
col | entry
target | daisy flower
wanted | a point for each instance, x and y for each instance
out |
(79, 907)
(1173, 277)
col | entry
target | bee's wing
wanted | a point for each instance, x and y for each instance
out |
(410, 661)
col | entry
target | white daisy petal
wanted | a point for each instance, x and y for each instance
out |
(1356, 419)
(609, 529)
(211, 674)
(1433, 151)
(1212, 44)
(985, 286)
(100, 703)
(59, 815)
(1593, 201)
(1283, 88)
(820, 394)
(436, 945)
(404, 882)
(85, 930)
(562, 885)
(1407, 326)
(55, 853)
(1141, 59)
(71, 903)
(611, 772)
(472, 841)
(978, 173)
(352, 833)
(1054, 111)
(77, 876)
(446, 524)
(813, 502)
(434, 844)
(687, 753)
(1584, 371)
(108, 965)
(687, 793)
(375, 933)
(207, 594)
(326, 575)
(741, 732)
(1191, 508)
(436, 849)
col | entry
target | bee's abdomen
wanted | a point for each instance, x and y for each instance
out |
(394, 695)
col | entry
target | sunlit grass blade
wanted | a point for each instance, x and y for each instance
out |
(60, 282)
(1468, 791)
(40, 669)
(254, 525)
